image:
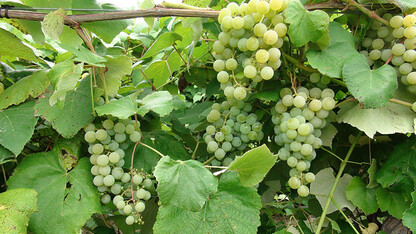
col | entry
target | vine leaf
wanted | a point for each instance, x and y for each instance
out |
(160, 71)
(253, 166)
(328, 134)
(362, 197)
(117, 68)
(162, 42)
(30, 86)
(122, 108)
(159, 102)
(185, 184)
(405, 5)
(64, 77)
(372, 182)
(70, 116)
(409, 215)
(305, 26)
(16, 205)
(233, 209)
(322, 185)
(66, 199)
(331, 60)
(5, 154)
(373, 88)
(393, 118)
(17, 125)
(395, 203)
(53, 23)
(11, 46)
(84, 55)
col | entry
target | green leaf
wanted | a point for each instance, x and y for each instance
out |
(197, 3)
(328, 134)
(393, 202)
(400, 167)
(160, 71)
(117, 68)
(66, 81)
(409, 215)
(185, 184)
(163, 41)
(84, 55)
(305, 26)
(16, 205)
(253, 166)
(322, 185)
(393, 118)
(331, 60)
(47, 3)
(122, 108)
(193, 116)
(53, 23)
(30, 86)
(233, 209)
(405, 5)
(12, 46)
(159, 102)
(373, 88)
(17, 125)
(372, 183)
(66, 199)
(75, 112)
(106, 30)
(362, 197)
(5, 154)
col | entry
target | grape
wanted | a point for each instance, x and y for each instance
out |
(219, 154)
(90, 137)
(253, 43)
(125, 178)
(108, 180)
(97, 149)
(140, 207)
(315, 105)
(240, 93)
(410, 32)
(147, 183)
(227, 22)
(116, 189)
(223, 12)
(386, 54)
(303, 191)
(328, 103)
(98, 180)
(105, 170)
(398, 49)
(250, 71)
(105, 198)
(120, 137)
(405, 68)
(117, 172)
(119, 128)
(301, 166)
(409, 20)
(130, 220)
(101, 135)
(102, 160)
(310, 177)
(294, 183)
(114, 157)
(383, 32)
(127, 209)
(267, 73)
(222, 77)
(327, 93)
(219, 65)
(299, 101)
(212, 146)
(293, 123)
(295, 146)
(237, 22)
(259, 29)
(262, 56)
(270, 37)
(231, 64)
(411, 78)
(409, 56)
(396, 21)
(263, 7)
(398, 32)
(375, 54)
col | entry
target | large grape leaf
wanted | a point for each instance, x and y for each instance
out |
(16, 205)
(17, 125)
(233, 209)
(164, 40)
(393, 118)
(362, 197)
(121, 108)
(331, 60)
(106, 30)
(409, 215)
(66, 199)
(116, 68)
(393, 202)
(373, 88)
(12, 46)
(74, 113)
(64, 78)
(160, 71)
(30, 86)
(253, 166)
(82, 54)
(305, 26)
(159, 102)
(53, 23)
(185, 184)
(405, 5)
(322, 185)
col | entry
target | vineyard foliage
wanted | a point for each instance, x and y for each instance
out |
(278, 116)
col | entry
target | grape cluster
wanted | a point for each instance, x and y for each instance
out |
(248, 46)
(298, 121)
(395, 45)
(232, 127)
(106, 146)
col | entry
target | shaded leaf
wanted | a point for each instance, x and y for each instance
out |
(12, 46)
(253, 166)
(84, 55)
(66, 81)
(163, 41)
(409, 215)
(159, 102)
(373, 88)
(116, 69)
(17, 125)
(30, 86)
(121, 108)
(185, 184)
(16, 205)
(328, 134)
(393, 202)
(362, 197)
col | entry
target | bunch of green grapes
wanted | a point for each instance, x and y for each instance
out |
(232, 127)
(247, 49)
(298, 120)
(106, 146)
(394, 45)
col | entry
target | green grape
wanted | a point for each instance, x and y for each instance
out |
(293, 123)
(219, 137)
(98, 180)
(95, 170)
(383, 32)
(306, 149)
(130, 220)
(105, 198)
(304, 129)
(248, 22)
(386, 54)
(140, 207)
(102, 160)
(210, 129)
(366, 42)
(291, 134)
(135, 137)
(301, 166)
(227, 22)
(127, 209)
(398, 49)
(90, 137)
(219, 154)
(262, 56)
(101, 134)
(125, 178)
(310, 177)
(108, 124)
(245, 128)
(263, 7)
(219, 65)
(270, 37)
(250, 71)
(299, 101)
(409, 56)
(97, 148)
(328, 103)
(226, 146)
(231, 64)
(108, 180)
(398, 32)
(397, 60)
(89, 127)
(236, 142)
(240, 93)
(257, 127)
(242, 44)
(327, 93)
(224, 38)
(223, 12)
(259, 29)
(114, 157)
(119, 128)
(117, 172)
(120, 137)
(377, 44)
(292, 161)
(212, 146)
(405, 68)
(294, 183)
(375, 55)
(117, 199)
(409, 20)
(274, 54)
(253, 44)
(410, 32)
(267, 73)
(396, 21)
(303, 191)
(315, 105)
(147, 183)
(104, 171)
(308, 114)
(285, 91)
(222, 77)
(116, 189)
(411, 78)
(283, 154)
(410, 44)
(229, 91)
(295, 146)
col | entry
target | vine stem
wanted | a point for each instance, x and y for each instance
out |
(366, 11)
(151, 148)
(400, 102)
(334, 186)
(345, 216)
